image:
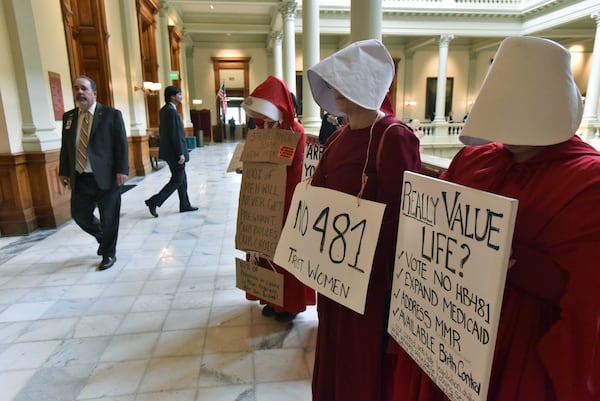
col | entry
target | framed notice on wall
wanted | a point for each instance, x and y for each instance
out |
(57, 96)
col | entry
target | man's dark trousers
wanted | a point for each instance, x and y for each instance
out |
(177, 182)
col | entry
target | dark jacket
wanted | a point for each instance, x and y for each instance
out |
(327, 128)
(172, 137)
(107, 147)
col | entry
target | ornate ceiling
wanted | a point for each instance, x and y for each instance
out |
(406, 23)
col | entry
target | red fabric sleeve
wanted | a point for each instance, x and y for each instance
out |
(570, 351)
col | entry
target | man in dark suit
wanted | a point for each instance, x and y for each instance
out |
(94, 162)
(172, 149)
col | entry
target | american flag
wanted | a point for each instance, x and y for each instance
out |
(221, 94)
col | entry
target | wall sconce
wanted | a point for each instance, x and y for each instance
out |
(149, 88)
(197, 101)
(410, 103)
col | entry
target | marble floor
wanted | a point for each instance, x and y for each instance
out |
(165, 323)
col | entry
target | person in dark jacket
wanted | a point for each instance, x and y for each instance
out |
(172, 149)
(94, 162)
(329, 125)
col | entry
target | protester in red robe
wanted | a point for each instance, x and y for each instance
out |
(547, 347)
(271, 106)
(366, 158)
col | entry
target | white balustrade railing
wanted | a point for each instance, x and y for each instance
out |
(450, 129)
(442, 138)
(440, 142)
(404, 3)
(489, 4)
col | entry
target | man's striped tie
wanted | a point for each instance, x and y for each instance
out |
(84, 137)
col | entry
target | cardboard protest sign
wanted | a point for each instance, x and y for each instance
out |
(265, 156)
(328, 243)
(236, 159)
(452, 254)
(270, 145)
(312, 154)
(260, 208)
(263, 283)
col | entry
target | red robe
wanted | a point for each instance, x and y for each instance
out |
(548, 347)
(350, 362)
(296, 296)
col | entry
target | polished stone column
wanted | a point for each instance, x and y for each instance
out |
(408, 104)
(164, 52)
(471, 88)
(365, 20)
(135, 117)
(288, 11)
(189, 63)
(133, 69)
(440, 99)
(38, 125)
(590, 110)
(311, 49)
(185, 89)
(277, 61)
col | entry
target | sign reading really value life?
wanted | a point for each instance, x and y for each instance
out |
(452, 254)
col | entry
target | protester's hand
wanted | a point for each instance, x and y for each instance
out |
(181, 159)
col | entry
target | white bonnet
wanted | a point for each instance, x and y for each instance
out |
(362, 72)
(529, 96)
(256, 107)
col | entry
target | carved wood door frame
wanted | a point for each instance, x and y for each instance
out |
(146, 18)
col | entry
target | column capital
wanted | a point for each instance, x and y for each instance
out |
(163, 8)
(277, 36)
(445, 39)
(288, 9)
(596, 17)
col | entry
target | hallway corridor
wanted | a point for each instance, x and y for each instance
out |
(165, 323)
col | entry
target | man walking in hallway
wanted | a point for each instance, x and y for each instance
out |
(173, 150)
(94, 161)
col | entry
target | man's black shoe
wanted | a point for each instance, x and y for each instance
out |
(188, 209)
(107, 262)
(152, 208)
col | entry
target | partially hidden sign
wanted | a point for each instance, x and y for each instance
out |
(265, 156)
(452, 254)
(312, 154)
(262, 283)
(328, 243)
(235, 163)
(260, 208)
(270, 145)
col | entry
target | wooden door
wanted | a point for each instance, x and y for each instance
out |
(86, 35)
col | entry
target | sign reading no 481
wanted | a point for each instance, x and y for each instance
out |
(340, 238)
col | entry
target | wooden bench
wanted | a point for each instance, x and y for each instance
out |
(153, 146)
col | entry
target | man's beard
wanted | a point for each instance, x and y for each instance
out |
(83, 103)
